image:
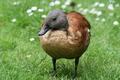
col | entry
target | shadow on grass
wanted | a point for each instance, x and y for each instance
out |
(66, 72)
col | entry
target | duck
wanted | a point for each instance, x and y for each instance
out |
(65, 35)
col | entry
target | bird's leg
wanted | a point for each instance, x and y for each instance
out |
(54, 66)
(76, 65)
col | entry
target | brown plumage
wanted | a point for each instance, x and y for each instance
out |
(67, 42)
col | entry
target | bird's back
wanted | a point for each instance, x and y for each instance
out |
(70, 43)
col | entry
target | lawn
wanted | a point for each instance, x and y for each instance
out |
(22, 58)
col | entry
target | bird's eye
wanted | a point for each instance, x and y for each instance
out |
(54, 19)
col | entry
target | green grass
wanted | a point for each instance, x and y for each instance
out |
(22, 59)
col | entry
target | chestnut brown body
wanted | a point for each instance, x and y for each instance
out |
(70, 43)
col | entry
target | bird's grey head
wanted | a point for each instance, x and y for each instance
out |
(55, 20)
